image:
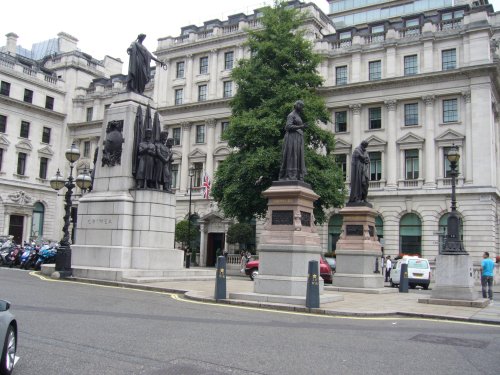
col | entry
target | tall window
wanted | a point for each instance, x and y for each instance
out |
(410, 231)
(340, 122)
(378, 33)
(375, 166)
(49, 102)
(86, 149)
(450, 110)
(341, 75)
(411, 65)
(1, 158)
(21, 163)
(228, 89)
(411, 164)
(46, 135)
(25, 129)
(229, 60)
(176, 135)
(180, 69)
(90, 113)
(178, 96)
(375, 118)
(202, 93)
(224, 125)
(5, 88)
(38, 219)
(3, 124)
(411, 114)
(198, 171)
(449, 59)
(204, 65)
(28, 96)
(200, 133)
(447, 164)
(379, 226)
(44, 162)
(341, 159)
(375, 70)
(175, 175)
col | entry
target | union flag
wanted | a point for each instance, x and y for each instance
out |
(206, 186)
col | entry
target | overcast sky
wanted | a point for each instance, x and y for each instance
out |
(107, 27)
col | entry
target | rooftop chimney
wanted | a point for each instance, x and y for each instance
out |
(11, 43)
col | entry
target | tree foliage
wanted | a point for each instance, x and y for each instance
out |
(184, 234)
(281, 70)
(241, 233)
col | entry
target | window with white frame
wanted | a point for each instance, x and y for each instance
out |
(204, 65)
(375, 70)
(44, 162)
(341, 159)
(86, 149)
(375, 166)
(411, 114)
(228, 60)
(200, 133)
(228, 89)
(3, 124)
(450, 110)
(179, 69)
(449, 59)
(340, 122)
(179, 93)
(175, 175)
(341, 75)
(21, 163)
(411, 164)
(224, 125)
(176, 135)
(375, 118)
(198, 172)
(411, 65)
(202, 93)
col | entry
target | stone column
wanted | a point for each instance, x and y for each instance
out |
(203, 244)
(391, 62)
(186, 145)
(391, 167)
(469, 172)
(209, 166)
(356, 124)
(356, 67)
(428, 65)
(430, 152)
(189, 79)
(212, 88)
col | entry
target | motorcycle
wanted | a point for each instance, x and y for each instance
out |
(47, 254)
(13, 258)
(29, 256)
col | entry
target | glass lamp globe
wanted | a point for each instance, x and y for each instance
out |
(72, 153)
(57, 182)
(83, 180)
(453, 155)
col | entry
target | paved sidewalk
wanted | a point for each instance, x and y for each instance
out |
(354, 304)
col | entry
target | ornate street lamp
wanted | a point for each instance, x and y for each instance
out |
(188, 252)
(453, 244)
(83, 181)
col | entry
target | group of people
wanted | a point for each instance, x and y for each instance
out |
(155, 162)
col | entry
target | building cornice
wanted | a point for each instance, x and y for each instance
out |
(31, 107)
(183, 108)
(33, 81)
(87, 125)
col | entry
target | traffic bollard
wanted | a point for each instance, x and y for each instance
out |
(188, 259)
(220, 278)
(312, 293)
(403, 279)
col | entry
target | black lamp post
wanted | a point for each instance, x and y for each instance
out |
(63, 257)
(453, 244)
(188, 252)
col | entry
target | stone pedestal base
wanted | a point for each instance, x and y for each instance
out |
(454, 278)
(358, 250)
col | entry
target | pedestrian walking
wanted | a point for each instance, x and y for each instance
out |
(388, 267)
(487, 266)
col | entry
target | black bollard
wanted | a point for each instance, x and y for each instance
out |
(188, 259)
(312, 293)
(403, 278)
(220, 279)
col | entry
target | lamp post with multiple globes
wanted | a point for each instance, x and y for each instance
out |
(83, 181)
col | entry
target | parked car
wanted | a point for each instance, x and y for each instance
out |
(419, 272)
(8, 335)
(252, 270)
(332, 262)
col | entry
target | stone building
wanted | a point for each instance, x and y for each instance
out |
(413, 83)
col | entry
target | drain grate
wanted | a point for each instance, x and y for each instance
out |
(454, 341)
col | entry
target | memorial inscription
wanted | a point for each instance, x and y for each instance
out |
(305, 219)
(354, 230)
(282, 217)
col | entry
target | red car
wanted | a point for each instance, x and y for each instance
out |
(252, 270)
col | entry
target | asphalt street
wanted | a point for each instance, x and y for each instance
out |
(73, 328)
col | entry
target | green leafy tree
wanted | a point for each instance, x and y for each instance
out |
(240, 233)
(281, 70)
(182, 233)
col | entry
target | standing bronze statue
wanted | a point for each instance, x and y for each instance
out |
(293, 166)
(146, 153)
(360, 174)
(163, 162)
(139, 70)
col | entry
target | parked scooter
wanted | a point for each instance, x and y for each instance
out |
(47, 254)
(29, 256)
(13, 258)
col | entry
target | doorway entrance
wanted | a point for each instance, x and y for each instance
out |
(16, 224)
(214, 241)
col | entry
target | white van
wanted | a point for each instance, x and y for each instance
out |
(419, 272)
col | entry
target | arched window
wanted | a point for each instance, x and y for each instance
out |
(334, 230)
(443, 230)
(410, 235)
(37, 222)
(379, 226)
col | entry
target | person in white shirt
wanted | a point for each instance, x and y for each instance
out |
(388, 266)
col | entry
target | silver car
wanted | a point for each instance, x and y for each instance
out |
(8, 336)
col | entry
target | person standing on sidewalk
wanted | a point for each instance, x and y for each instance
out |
(487, 266)
(388, 267)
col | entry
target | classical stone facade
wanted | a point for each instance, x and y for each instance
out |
(413, 86)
